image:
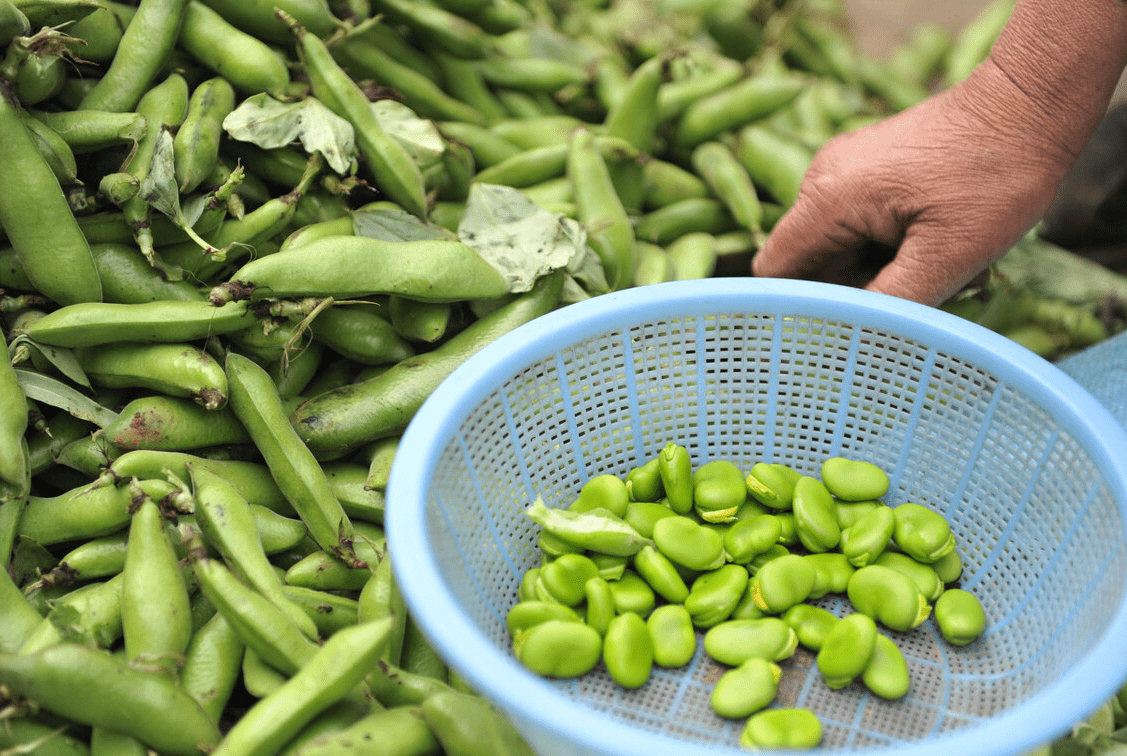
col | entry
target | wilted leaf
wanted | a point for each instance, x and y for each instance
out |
(394, 224)
(48, 390)
(270, 124)
(418, 136)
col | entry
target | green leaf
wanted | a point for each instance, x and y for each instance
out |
(53, 392)
(395, 224)
(159, 187)
(63, 359)
(419, 136)
(521, 239)
(270, 123)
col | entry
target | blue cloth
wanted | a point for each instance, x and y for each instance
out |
(1102, 370)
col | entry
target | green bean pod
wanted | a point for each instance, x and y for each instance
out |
(168, 423)
(256, 403)
(81, 513)
(729, 182)
(90, 686)
(334, 670)
(155, 617)
(13, 23)
(18, 618)
(261, 626)
(465, 725)
(55, 150)
(146, 42)
(48, 241)
(361, 335)
(402, 728)
(228, 524)
(343, 419)
(92, 130)
(91, 613)
(364, 59)
(734, 106)
(245, 61)
(14, 464)
(440, 28)
(93, 323)
(670, 222)
(211, 665)
(774, 161)
(609, 230)
(394, 170)
(196, 144)
(357, 266)
(172, 369)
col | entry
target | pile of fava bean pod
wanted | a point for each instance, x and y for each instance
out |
(234, 262)
(635, 567)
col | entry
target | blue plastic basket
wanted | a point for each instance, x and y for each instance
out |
(1030, 470)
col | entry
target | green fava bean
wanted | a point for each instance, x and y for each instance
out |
(849, 512)
(656, 569)
(949, 567)
(746, 608)
(776, 551)
(923, 575)
(735, 641)
(782, 728)
(610, 567)
(599, 530)
(815, 516)
(742, 691)
(672, 635)
(922, 533)
(960, 617)
(718, 490)
(783, 582)
(889, 597)
(676, 468)
(566, 577)
(643, 483)
(887, 674)
(643, 515)
(788, 529)
(605, 492)
(600, 604)
(865, 540)
(854, 480)
(751, 537)
(832, 571)
(688, 543)
(527, 614)
(810, 623)
(715, 594)
(559, 648)
(628, 651)
(772, 484)
(632, 594)
(847, 649)
(526, 591)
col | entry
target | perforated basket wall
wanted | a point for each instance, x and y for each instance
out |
(1017, 457)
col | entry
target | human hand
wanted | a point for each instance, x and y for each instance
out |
(948, 186)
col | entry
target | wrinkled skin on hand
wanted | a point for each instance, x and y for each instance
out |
(948, 186)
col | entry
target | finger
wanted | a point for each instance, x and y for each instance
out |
(804, 241)
(923, 272)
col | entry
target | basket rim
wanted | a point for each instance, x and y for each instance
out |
(532, 701)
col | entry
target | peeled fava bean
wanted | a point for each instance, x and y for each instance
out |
(888, 596)
(672, 635)
(922, 533)
(735, 641)
(847, 649)
(565, 578)
(715, 594)
(815, 515)
(742, 691)
(887, 673)
(781, 728)
(960, 616)
(750, 537)
(559, 648)
(811, 624)
(865, 540)
(628, 651)
(602, 491)
(527, 614)
(718, 490)
(689, 544)
(772, 484)
(854, 480)
(783, 582)
(923, 575)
